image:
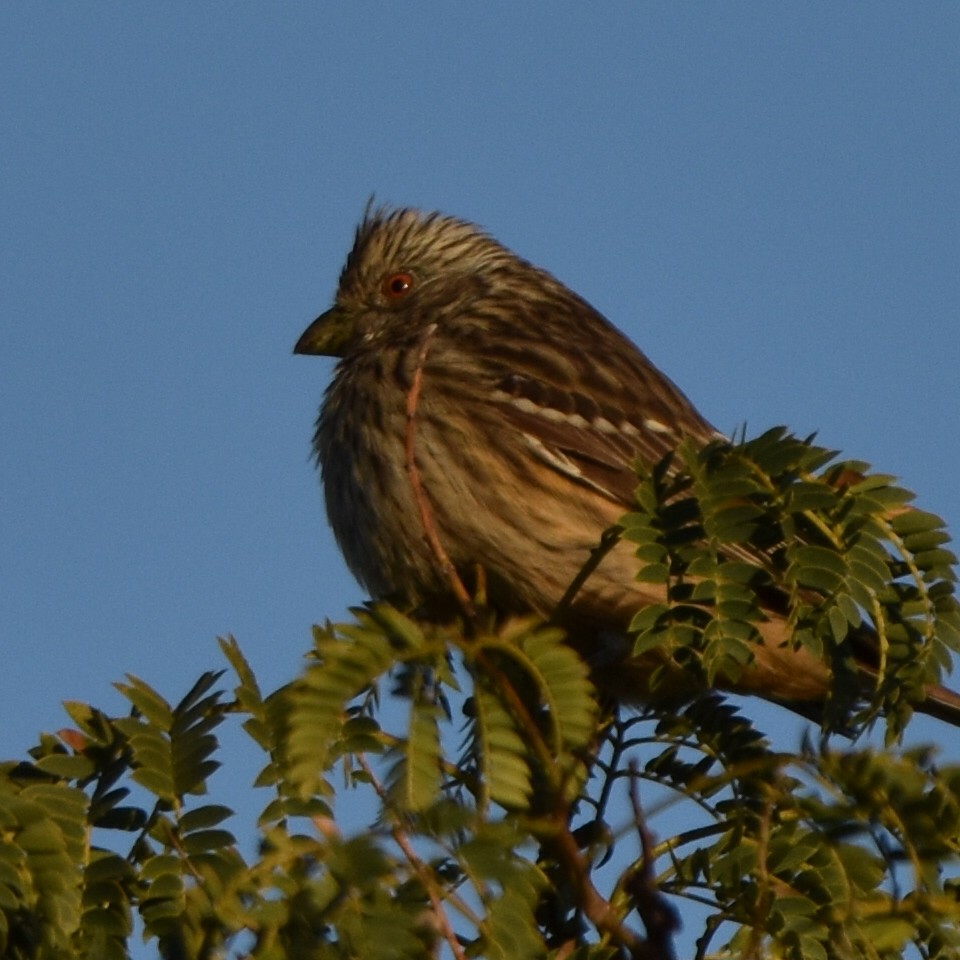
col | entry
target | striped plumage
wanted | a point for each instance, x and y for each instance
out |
(531, 410)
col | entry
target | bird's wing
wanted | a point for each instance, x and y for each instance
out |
(592, 442)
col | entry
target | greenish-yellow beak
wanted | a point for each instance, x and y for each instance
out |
(327, 335)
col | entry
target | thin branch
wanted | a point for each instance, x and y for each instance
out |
(447, 569)
(423, 872)
(608, 540)
(659, 917)
(559, 838)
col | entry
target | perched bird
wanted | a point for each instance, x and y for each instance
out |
(484, 416)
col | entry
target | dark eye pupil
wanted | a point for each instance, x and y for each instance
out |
(397, 285)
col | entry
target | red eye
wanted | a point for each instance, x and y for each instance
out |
(396, 286)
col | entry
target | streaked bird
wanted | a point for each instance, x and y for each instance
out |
(484, 414)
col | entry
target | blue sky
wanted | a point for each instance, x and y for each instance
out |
(765, 197)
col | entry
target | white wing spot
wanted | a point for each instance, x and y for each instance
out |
(563, 464)
(548, 413)
(655, 426)
(553, 457)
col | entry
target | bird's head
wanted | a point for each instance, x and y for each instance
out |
(407, 269)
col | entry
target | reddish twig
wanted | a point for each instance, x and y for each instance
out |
(422, 870)
(447, 569)
(559, 839)
(598, 910)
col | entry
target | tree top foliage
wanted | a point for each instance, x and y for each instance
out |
(462, 790)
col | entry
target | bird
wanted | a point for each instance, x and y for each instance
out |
(482, 416)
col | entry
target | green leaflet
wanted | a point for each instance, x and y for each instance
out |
(414, 779)
(503, 761)
(551, 682)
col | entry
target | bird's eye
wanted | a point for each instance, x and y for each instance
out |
(396, 286)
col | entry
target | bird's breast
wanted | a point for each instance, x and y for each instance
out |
(406, 454)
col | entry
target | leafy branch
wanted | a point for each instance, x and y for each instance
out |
(516, 812)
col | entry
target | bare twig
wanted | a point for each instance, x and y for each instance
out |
(447, 569)
(423, 872)
(608, 540)
(596, 908)
(559, 839)
(659, 917)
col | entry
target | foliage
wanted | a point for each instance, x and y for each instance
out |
(841, 551)
(507, 801)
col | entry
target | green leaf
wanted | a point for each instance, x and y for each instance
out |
(351, 659)
(147, 701)
(414, 779)
(818, 568)
(201, 841)
(504, 768)
(203, 817)
(67, 766)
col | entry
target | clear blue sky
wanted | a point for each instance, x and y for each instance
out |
(766, 197)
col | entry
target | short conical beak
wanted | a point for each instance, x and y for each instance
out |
(327, 335)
